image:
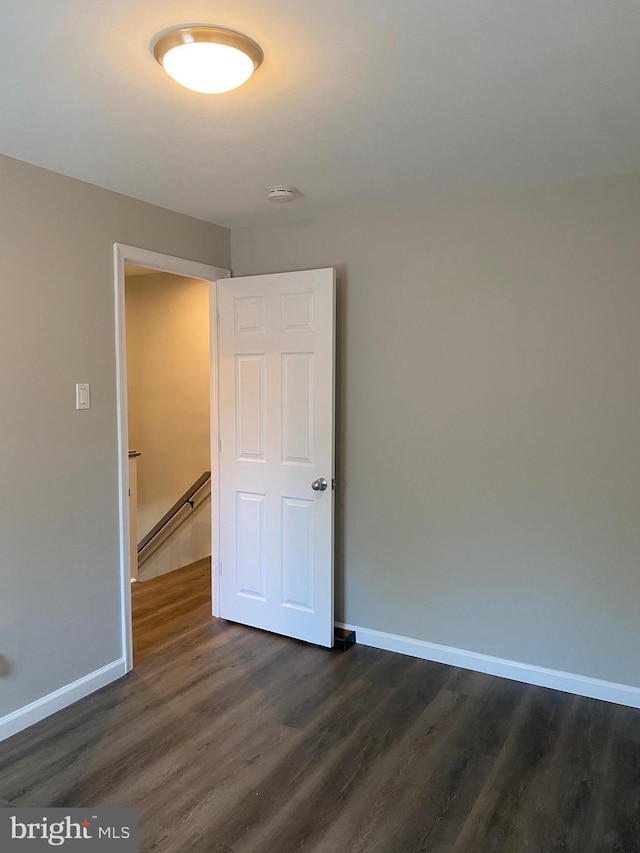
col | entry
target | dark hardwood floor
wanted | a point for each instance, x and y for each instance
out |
(231, 740)
(164, 606)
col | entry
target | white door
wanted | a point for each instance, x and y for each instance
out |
(276, 401)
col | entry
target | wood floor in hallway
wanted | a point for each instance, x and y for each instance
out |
(231, 740)
(163, 607)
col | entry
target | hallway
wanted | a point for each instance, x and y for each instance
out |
(165, 606)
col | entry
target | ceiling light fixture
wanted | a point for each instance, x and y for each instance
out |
(207, 59)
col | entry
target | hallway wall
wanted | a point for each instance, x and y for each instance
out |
(168, 387)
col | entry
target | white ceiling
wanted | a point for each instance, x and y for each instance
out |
(357, 102)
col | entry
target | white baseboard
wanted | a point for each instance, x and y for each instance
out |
(581, 685)
(21, 719)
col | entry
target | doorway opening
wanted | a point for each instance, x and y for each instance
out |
(167, 442)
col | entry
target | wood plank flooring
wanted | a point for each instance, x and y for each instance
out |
(231, 740)
(164, 606)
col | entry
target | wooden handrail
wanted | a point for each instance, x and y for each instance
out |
(175, 509)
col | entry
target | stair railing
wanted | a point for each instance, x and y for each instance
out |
(186, 500)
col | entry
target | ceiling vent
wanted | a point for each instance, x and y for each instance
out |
(282, 194)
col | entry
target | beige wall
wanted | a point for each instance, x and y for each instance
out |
(489, 419)
(59, 601)
(167, 320)
(183, 541)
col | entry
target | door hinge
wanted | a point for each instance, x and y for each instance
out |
(219, 445)
(333, 483)
(221, 569)
(218, 318)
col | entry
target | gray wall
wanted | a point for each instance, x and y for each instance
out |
(59, 586)
(489, 419)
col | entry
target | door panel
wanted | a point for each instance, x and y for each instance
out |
(297, 408)
(276, 392)
(249, 400)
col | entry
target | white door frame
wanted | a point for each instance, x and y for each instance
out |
(191, 269)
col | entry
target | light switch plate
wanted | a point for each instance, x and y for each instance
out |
(83, 395)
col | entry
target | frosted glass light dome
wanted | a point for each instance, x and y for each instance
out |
(210, 60)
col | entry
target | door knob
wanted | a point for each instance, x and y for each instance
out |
(319, 485)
